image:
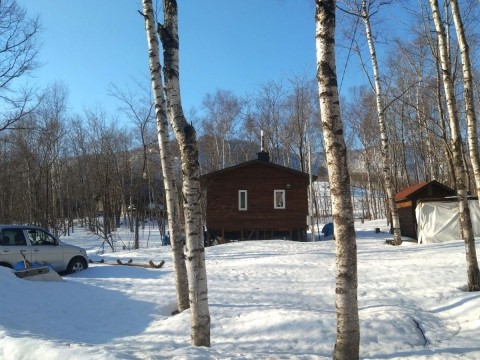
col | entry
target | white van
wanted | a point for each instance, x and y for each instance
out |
(40, 247)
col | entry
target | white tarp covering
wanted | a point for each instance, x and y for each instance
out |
(438, 221)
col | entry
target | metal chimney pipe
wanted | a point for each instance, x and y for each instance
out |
(262, 146)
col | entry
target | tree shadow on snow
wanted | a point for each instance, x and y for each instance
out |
(75, 311)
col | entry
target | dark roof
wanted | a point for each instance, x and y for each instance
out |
(411, 190)
(255, 162)
(407, 192)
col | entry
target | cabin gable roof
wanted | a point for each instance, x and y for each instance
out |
(411, 191)
(253, 163)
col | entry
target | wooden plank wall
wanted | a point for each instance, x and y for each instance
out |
(260, 182)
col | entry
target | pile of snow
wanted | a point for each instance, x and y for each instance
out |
(268, 300)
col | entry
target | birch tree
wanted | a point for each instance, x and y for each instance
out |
(19, 48)
(348, 331)
(180, 269)
(222, 121)
(270, 114)
(473, 272)
(187, 140)
(467, 92)
(301, 109)
(363, 10)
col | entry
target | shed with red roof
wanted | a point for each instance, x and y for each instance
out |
(406, 201)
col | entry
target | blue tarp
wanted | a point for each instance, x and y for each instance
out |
(327, 229)
(166, 240)
(21, 265)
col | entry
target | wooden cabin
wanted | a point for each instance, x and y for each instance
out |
(256, 200)
(407, 201)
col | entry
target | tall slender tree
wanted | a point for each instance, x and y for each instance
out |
(363, 10)
(187, 140)
(19, 48)
(473, 272)
(348, 330)
(467, 92)
(222, 120)
(180, 268)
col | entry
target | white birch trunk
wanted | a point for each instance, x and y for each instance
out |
(387, 176)
(348, 331)
(473, 272)
(422, 119)
(443, 125)
(468, 93)
(178, 255)
(187, 141)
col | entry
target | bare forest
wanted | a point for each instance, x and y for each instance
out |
(57, 166)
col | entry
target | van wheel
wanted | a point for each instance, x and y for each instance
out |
(76, 264)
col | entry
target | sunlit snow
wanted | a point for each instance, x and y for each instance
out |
(268, 300)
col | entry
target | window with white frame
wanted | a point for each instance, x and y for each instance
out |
(279, 199)
(242, 199)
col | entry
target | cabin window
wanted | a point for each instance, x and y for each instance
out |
(242, 199)
(279, 199)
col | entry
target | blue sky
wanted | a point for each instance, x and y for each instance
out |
(224, 44)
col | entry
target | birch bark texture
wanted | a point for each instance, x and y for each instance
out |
(473, 272)
(187, 140)
(166, 158)
(348, 331)
(384, 147)
(467, 92)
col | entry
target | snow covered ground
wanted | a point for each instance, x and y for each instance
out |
(268, 300)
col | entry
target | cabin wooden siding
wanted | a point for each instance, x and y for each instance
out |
(407, 201)
(408, 222)
(260, 179)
